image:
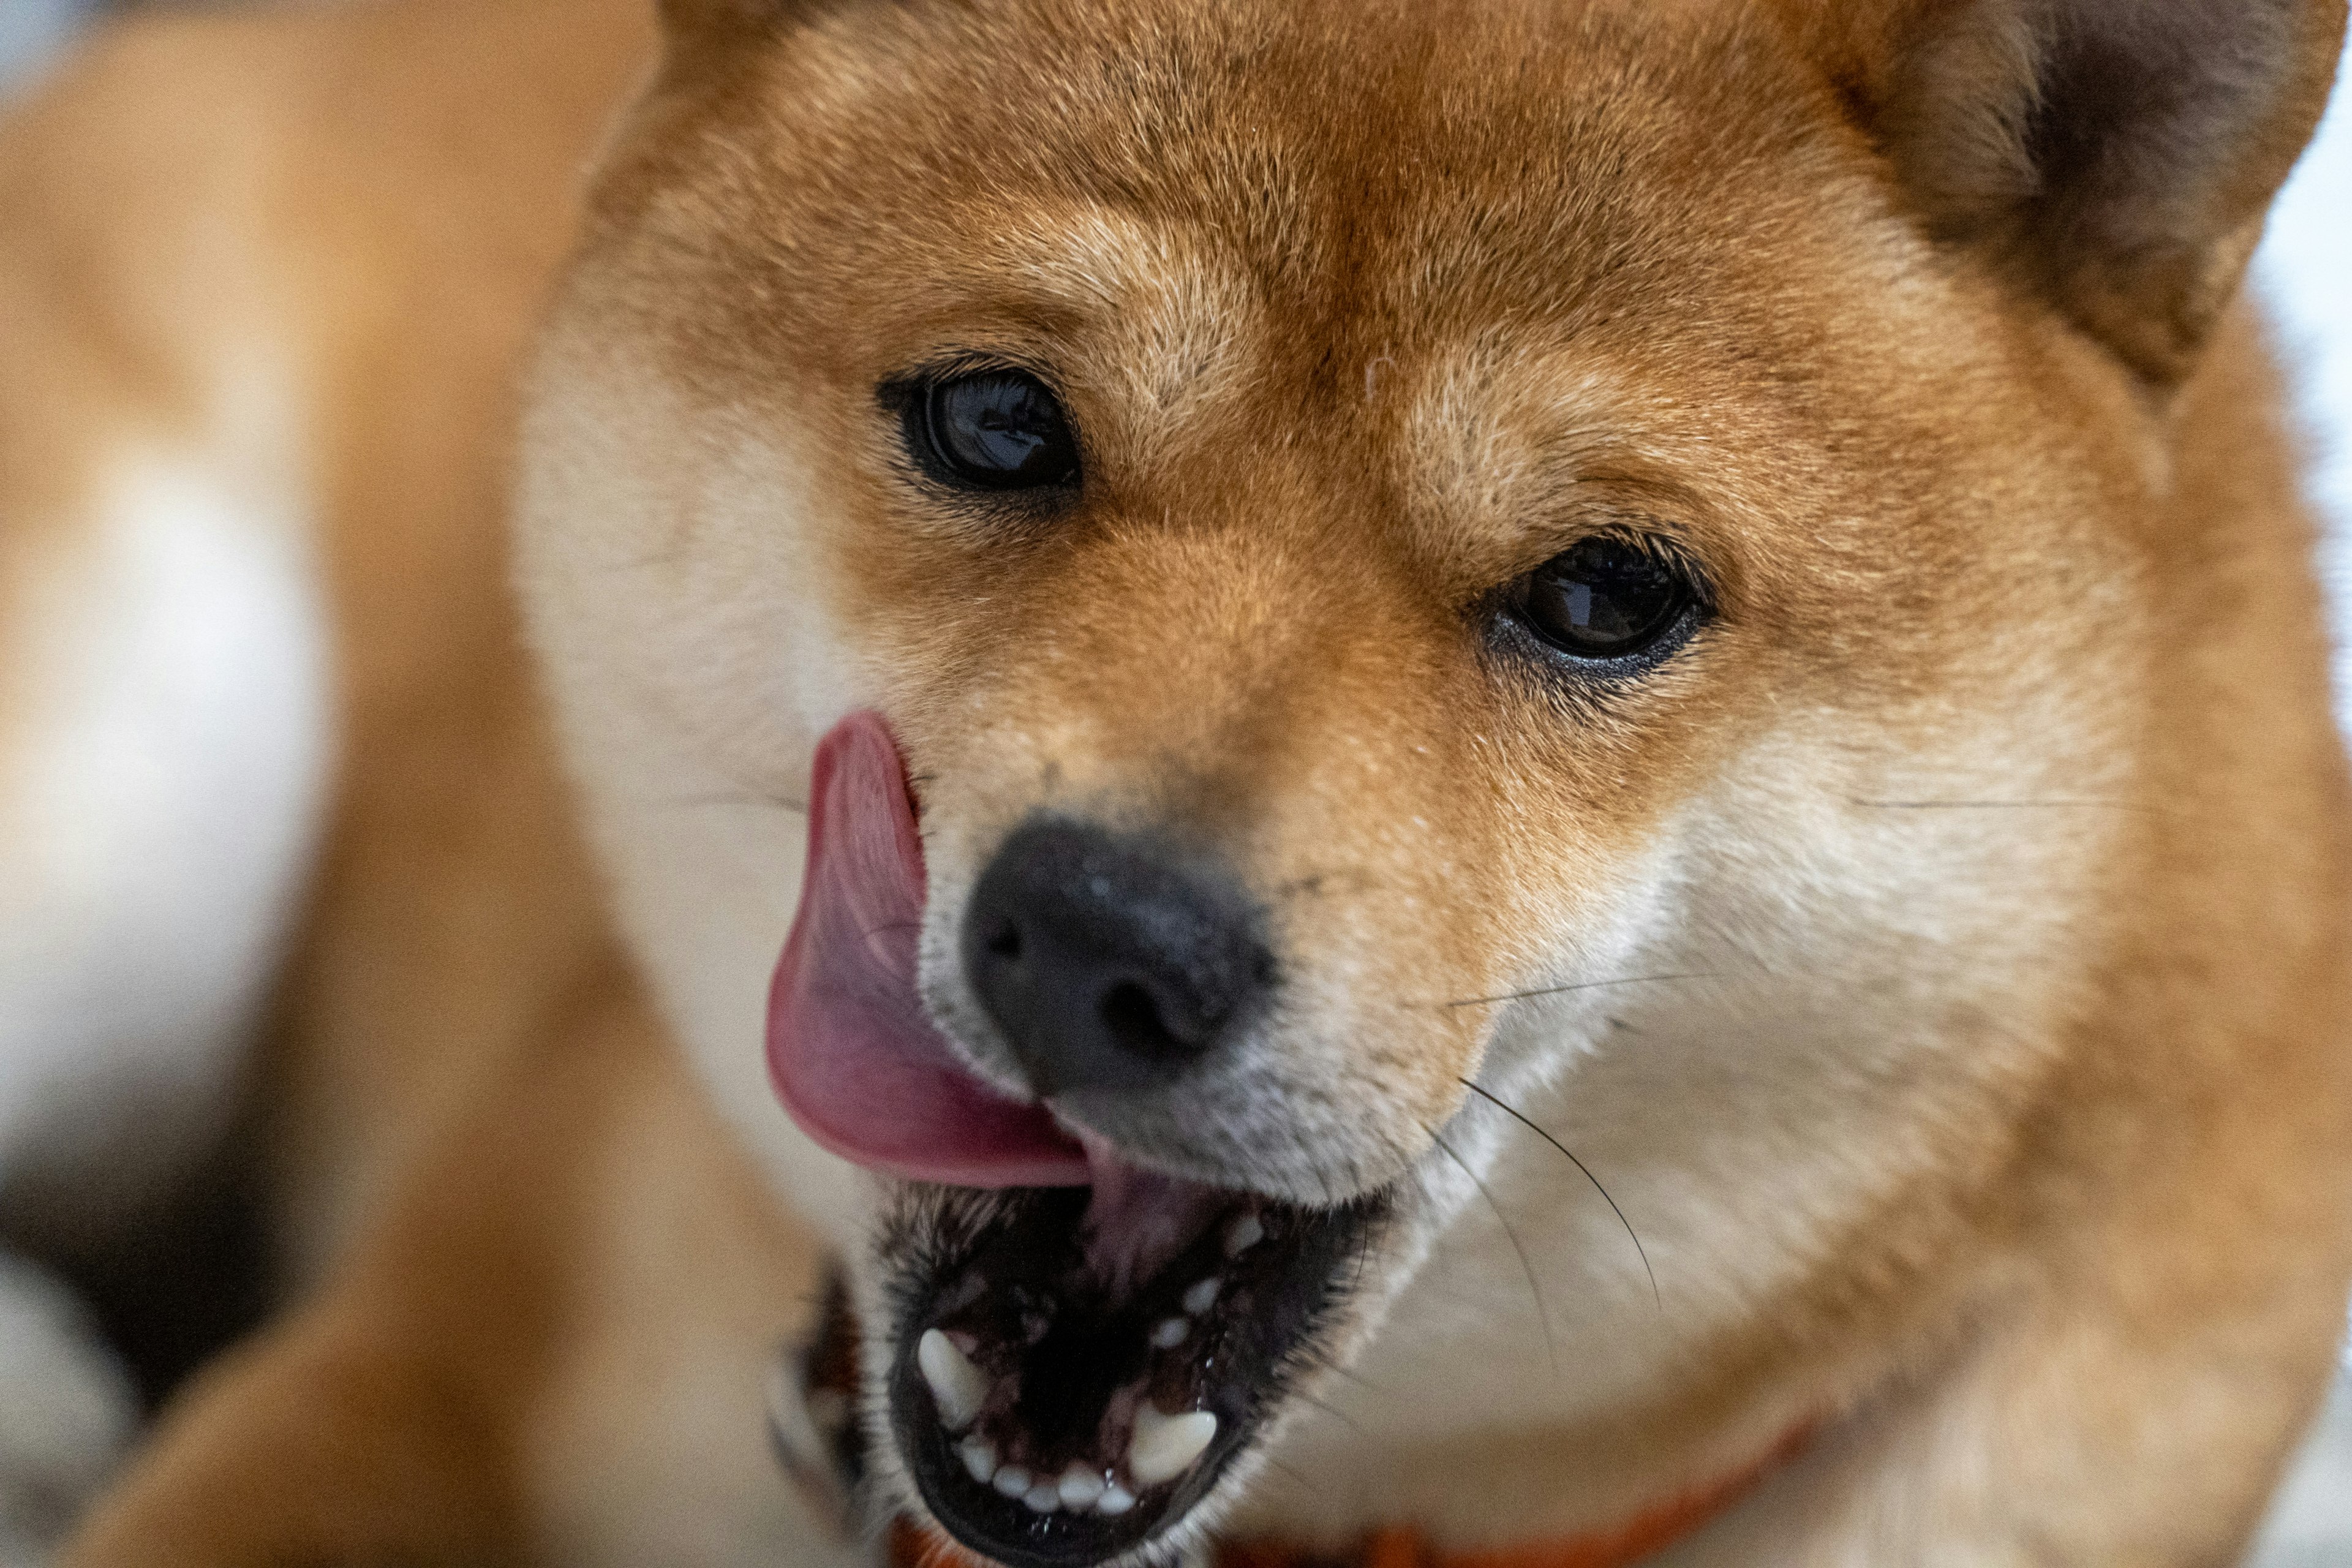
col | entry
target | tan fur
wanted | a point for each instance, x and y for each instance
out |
(1998, 822)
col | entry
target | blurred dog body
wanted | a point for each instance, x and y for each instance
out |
(1980, 1151)
(274, 779)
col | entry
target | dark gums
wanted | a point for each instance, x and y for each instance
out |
(1019, 1288)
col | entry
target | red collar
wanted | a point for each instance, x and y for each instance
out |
(917, 1546)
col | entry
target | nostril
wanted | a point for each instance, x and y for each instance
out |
(1004, 941)
(1131, 1016)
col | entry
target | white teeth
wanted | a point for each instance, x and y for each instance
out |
(978, 1459)
(1169, 1334)
(1165, 1446)
(1202, 1296)
(1115, 1501)
(1012, 1481)
(1043, 1498)
(958, 1386)
(1081, 1488)
(1243, 1234)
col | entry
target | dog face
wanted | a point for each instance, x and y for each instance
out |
(1410, 554)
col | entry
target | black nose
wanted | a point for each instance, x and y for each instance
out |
(1105, 965)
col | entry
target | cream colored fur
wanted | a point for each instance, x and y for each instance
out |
(1940, 965)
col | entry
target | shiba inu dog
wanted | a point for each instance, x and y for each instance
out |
(1543, 780)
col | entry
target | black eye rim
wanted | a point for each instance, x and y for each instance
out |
(1695, 606)
(914, 398)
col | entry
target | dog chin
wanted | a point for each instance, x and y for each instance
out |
(1074, 1375)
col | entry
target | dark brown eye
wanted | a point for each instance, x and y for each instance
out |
(996, 430)
(1606, 598)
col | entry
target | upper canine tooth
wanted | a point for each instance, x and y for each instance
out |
(1203, 1296)
(959, 1387)
(1165, 1446)
(1243, 1234)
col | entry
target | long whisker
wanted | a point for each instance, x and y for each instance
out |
(1296, 1477)
(748, 801)
(1580, 986)
(2002, 805)
(1363, 1257)
(1323, 1362)
(647, 562)
(1328, 1409)
(1588, 1176)
(1543, 1314)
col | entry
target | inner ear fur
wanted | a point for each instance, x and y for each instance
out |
(2117, 156)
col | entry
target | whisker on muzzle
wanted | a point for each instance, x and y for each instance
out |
(1517, 1116)
(1328, 1409)
(746, 800)
(2005, 806)
(1321, 1362)
(1580, 986)
(1292, 1474)
(1543, 1313)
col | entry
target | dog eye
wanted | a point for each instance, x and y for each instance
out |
(996, 430)
(1608, 598)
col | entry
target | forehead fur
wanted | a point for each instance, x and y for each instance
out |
(1440, 293)
(1326, 209)
(1350, 165)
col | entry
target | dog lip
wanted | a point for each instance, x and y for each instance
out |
(854, 1059)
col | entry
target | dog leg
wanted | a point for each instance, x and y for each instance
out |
(552, 1343)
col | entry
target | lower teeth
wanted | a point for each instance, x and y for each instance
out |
(1137, 1446)
(1163, 1448)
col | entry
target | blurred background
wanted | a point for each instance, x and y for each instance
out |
(31, 30)
(2304, 273)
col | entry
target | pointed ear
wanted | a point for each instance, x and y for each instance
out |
(2116, 156)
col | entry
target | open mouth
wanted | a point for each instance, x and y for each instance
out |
(1081, 1348)
(1078, 1366)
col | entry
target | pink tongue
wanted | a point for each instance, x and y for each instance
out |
(853, 1056)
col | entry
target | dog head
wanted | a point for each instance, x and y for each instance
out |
(1355, 564)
